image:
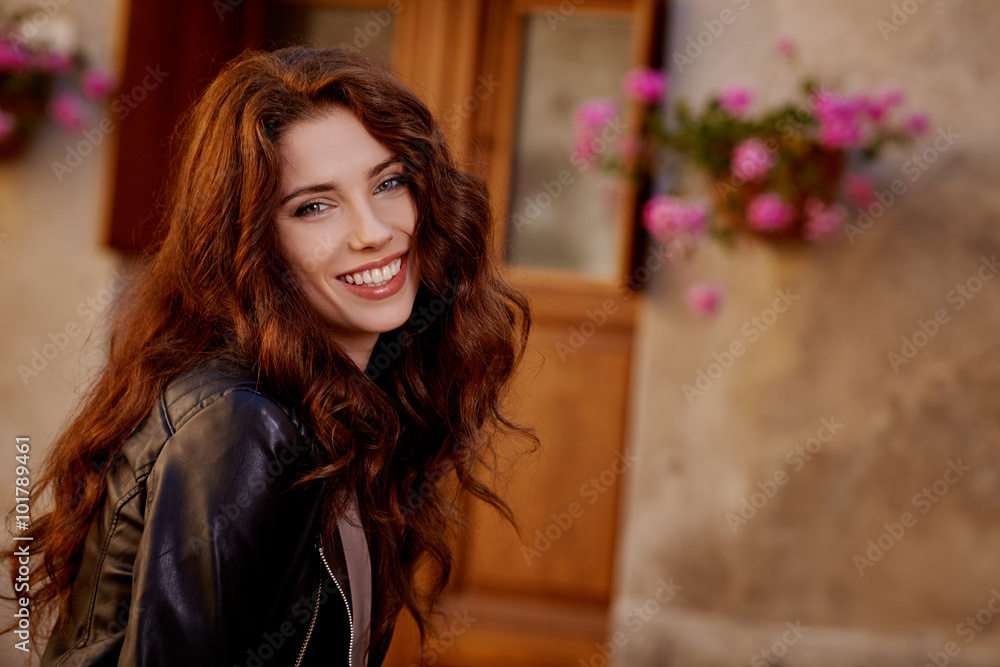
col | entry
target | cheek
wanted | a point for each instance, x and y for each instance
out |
(310, 247)
(403, 212)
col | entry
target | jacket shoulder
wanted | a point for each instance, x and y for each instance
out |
(225, 388)
(211, 380)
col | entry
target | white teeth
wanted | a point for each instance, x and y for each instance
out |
(375, 277)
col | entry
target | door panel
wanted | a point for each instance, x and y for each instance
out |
(573, 388)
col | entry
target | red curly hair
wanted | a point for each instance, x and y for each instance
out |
(221, 284)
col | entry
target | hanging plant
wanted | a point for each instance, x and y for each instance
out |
(781, 175)
(43, 78)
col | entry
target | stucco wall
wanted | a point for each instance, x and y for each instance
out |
(821, 370)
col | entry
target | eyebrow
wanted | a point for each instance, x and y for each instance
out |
(331, 185)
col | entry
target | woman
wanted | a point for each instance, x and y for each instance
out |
(298, 389)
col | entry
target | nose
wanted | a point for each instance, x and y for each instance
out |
(368, 229)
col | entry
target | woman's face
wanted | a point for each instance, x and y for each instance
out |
(346, 218)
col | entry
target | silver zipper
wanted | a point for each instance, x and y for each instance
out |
(312, 624)
(350, 618)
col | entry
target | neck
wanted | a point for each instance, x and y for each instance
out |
(359, 348)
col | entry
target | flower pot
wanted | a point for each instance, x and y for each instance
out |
(814, 173)
(25, 96)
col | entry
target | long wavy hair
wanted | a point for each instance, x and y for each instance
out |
(411, 437)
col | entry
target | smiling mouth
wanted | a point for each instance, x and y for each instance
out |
(373, 277)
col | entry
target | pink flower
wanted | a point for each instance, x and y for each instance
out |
(858, 190)
(97, 84)
(892, 98)
(583, 151)
(839, 133)
(703, 299)
(822, 221)
(644, 84)
(13, 58)
(665, 217)
(594, 114)
(588, 118)
(8, 123)
(735, 100)
(769, 212)
(751, 160)
(878, 107)
(874, 108)
(838, 119)
(786, 47)
(917, 123)
(67, 110)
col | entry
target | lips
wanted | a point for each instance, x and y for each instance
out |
(392, 271)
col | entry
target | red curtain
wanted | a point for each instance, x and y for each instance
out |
(174, 50)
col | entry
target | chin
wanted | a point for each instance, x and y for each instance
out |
(388, 324)
(374, 324)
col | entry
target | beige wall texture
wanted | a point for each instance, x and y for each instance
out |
(55, 278)
(830, 452)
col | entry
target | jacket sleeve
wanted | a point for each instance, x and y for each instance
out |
(220, 526)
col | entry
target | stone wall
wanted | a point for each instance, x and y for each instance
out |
(840, 445)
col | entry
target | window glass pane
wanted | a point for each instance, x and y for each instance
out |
(560, 217)
(325, 26)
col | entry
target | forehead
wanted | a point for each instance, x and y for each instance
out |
(334, 143)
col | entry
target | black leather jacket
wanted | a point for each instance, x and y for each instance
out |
(201, 555)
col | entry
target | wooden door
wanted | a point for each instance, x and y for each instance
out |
(545, 600)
